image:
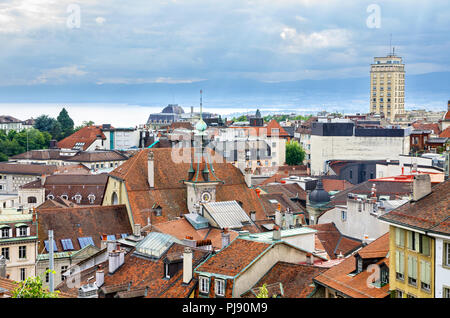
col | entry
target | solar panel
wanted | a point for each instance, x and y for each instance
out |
(111, 237)
(47, 247)
(85, 241)
(67, 244)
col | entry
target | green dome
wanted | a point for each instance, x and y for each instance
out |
(201, 125)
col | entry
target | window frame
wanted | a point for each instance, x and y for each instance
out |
(219, 283)
(204, 282)
(22, 252)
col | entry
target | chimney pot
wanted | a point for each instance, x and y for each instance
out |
(225, 238)
(99, 278)
(137, 230)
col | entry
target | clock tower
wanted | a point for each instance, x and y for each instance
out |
(201, 182)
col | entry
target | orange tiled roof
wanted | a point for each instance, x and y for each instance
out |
(231, 260)
(430, 213)
(181, 228)
(333, 241)
(170, 193)
(445, 133)
(356, 286)
(296, 279)
(86, 135)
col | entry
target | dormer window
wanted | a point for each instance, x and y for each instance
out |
(78, 198)
(204, 285)
(6, 231)
(220, 287)
(360, 265)
(22, 230)
(91, 198)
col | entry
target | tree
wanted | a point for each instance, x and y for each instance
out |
(32, 287)
(84, 124)
(66, 123)
(263, 292)
(294, 153)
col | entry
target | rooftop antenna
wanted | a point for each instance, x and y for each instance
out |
(390, 43)
(201, 104)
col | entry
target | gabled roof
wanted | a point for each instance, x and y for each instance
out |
(98, 156)
(290, 280)
(234, 258)
(333, 241)
(181, 228)
(79, 222)
(445, 133)
(356, 286)
(427, 126)
(430, 214)
(170, 193)
(26, 169)
(83, 138)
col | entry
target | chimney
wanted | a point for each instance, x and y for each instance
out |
(99, 277)
(137, 230)
(121, 257)
(276, 233)
(189, 241)
(104, 242)
(278, 216)
(187, 265)
(225, 238)
(2, 266)
(253, 216)
(113, 260)
(110, 246)
(151, 169)
(421, 186)
(309, 259)
(248, 176)
(43, 178)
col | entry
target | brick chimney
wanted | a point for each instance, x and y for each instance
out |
(151, 169)
(187, 265)
(421, 186)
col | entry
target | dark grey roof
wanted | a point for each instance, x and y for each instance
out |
(319, 195)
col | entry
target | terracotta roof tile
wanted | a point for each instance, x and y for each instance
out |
(296, 279)
(73, 223)
(170, 193)
(333, 241)
(232, 260)
(356, 286)
(430, 213)
(86, 135)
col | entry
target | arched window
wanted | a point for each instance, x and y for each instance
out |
(91, 198)
(114, 199)
(32, 200)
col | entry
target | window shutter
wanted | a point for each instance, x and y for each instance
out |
(401, 263)
(417, 242)
(410, 239)
(426, 245)
(423, 273)
(17, 232)
(10, 232)
(397, 261)
(414, 268)
(28, 231)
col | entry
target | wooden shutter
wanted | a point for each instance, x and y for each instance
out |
(417, 242)
(401, 262)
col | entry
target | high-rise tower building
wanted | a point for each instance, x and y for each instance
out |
(387, 86)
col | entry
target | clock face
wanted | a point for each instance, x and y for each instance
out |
(206, 196)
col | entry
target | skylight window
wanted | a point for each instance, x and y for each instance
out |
(67, 244)
(47, 246)
(85, 241)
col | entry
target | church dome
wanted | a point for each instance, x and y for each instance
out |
(201, 126)
(319, 195)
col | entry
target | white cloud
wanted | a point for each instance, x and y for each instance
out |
(304, 43)
(100, 20)
(58, 75)
(165, 80)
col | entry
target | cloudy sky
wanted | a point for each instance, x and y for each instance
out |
(174, 41)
